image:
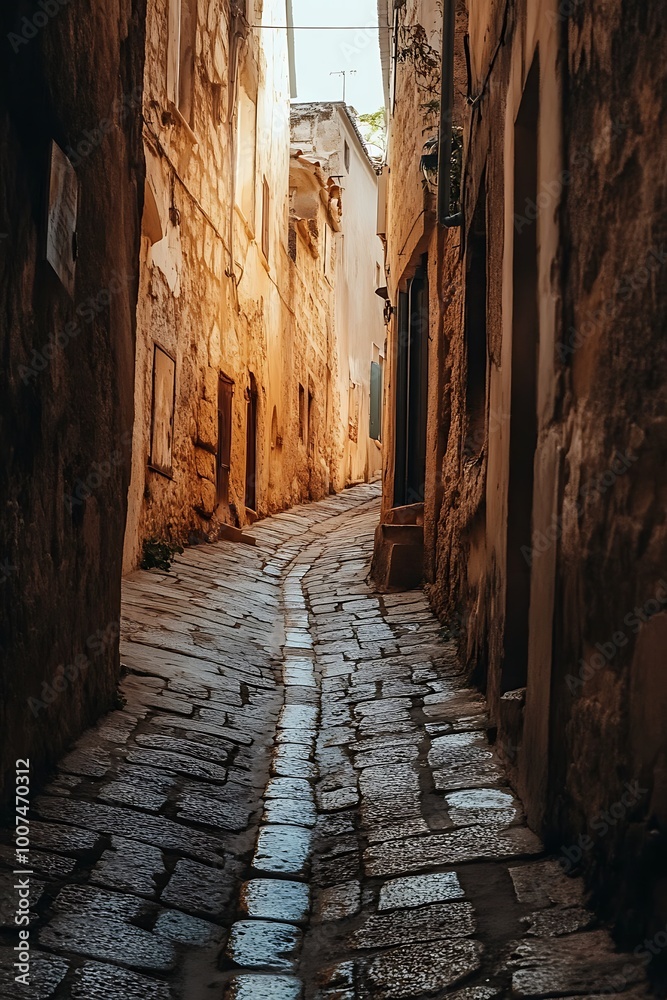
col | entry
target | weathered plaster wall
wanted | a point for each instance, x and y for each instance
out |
(593, 687)
(66, 375)
(321, 131)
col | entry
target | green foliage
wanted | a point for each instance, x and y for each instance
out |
(159, 555)
(373, 127)
(456, 164)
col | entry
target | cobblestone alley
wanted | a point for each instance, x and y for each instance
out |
(297, 798)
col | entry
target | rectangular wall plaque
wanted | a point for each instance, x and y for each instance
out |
(162, 422)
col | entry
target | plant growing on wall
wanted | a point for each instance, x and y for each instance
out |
(373, 127)
(158, 555)
(413, 46)
(429, 166)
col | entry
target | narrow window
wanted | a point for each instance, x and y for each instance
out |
(225, 393)
(347, 158)
(266, 218)
(181, 55)
(375, 430)
(246, 129)
(309, 423)
(302, 413)
(523, 405)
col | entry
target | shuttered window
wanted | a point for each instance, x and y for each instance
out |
(375, 430)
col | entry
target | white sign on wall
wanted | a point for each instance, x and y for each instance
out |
(62, 216)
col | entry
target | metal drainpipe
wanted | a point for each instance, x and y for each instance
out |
(446, 114)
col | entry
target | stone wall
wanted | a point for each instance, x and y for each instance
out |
(568, 663)
(609, 696)
(73, 75)
(323, 131)
(209, 294)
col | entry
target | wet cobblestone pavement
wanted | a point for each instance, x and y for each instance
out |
(298, 800)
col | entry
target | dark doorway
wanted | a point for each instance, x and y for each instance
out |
(411, 391)
(251, 447)
(523, 412)
(225, 393)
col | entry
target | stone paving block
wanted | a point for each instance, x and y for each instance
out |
(199, 889)
(558, 920)
(248, 986)
(335, 870)
(93, 763)
(379, 832)
(300, 678)
(63, 839)
(96, 981)
(434, 922)
(394, 781)
(89, 901)
(290, 761)
(208, 751)
(46, 974)
(392, 753)
(179, 764)
(576, 964)
(305, 738)
(290, 812)
(491, 806)
(130, 866)
(338, 799)
(335, 824)
(262, 944)
(191, 726)
(463, 760)
(156, 830)
(230, 812)
(95, 937)
(283, 850)
(289, 788)
(301, 717)
(543, 883)
(469, 844)
(338, 902)
(275, 899)
(123, 793)
(417, 969)
(419, 890)
(182, 928)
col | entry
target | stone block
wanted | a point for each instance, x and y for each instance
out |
(209, 498)
(205, 462)
(207, 425)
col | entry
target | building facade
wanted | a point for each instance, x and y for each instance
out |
(541, 412)
(329, 134)
(228, 344)
(71, 161)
